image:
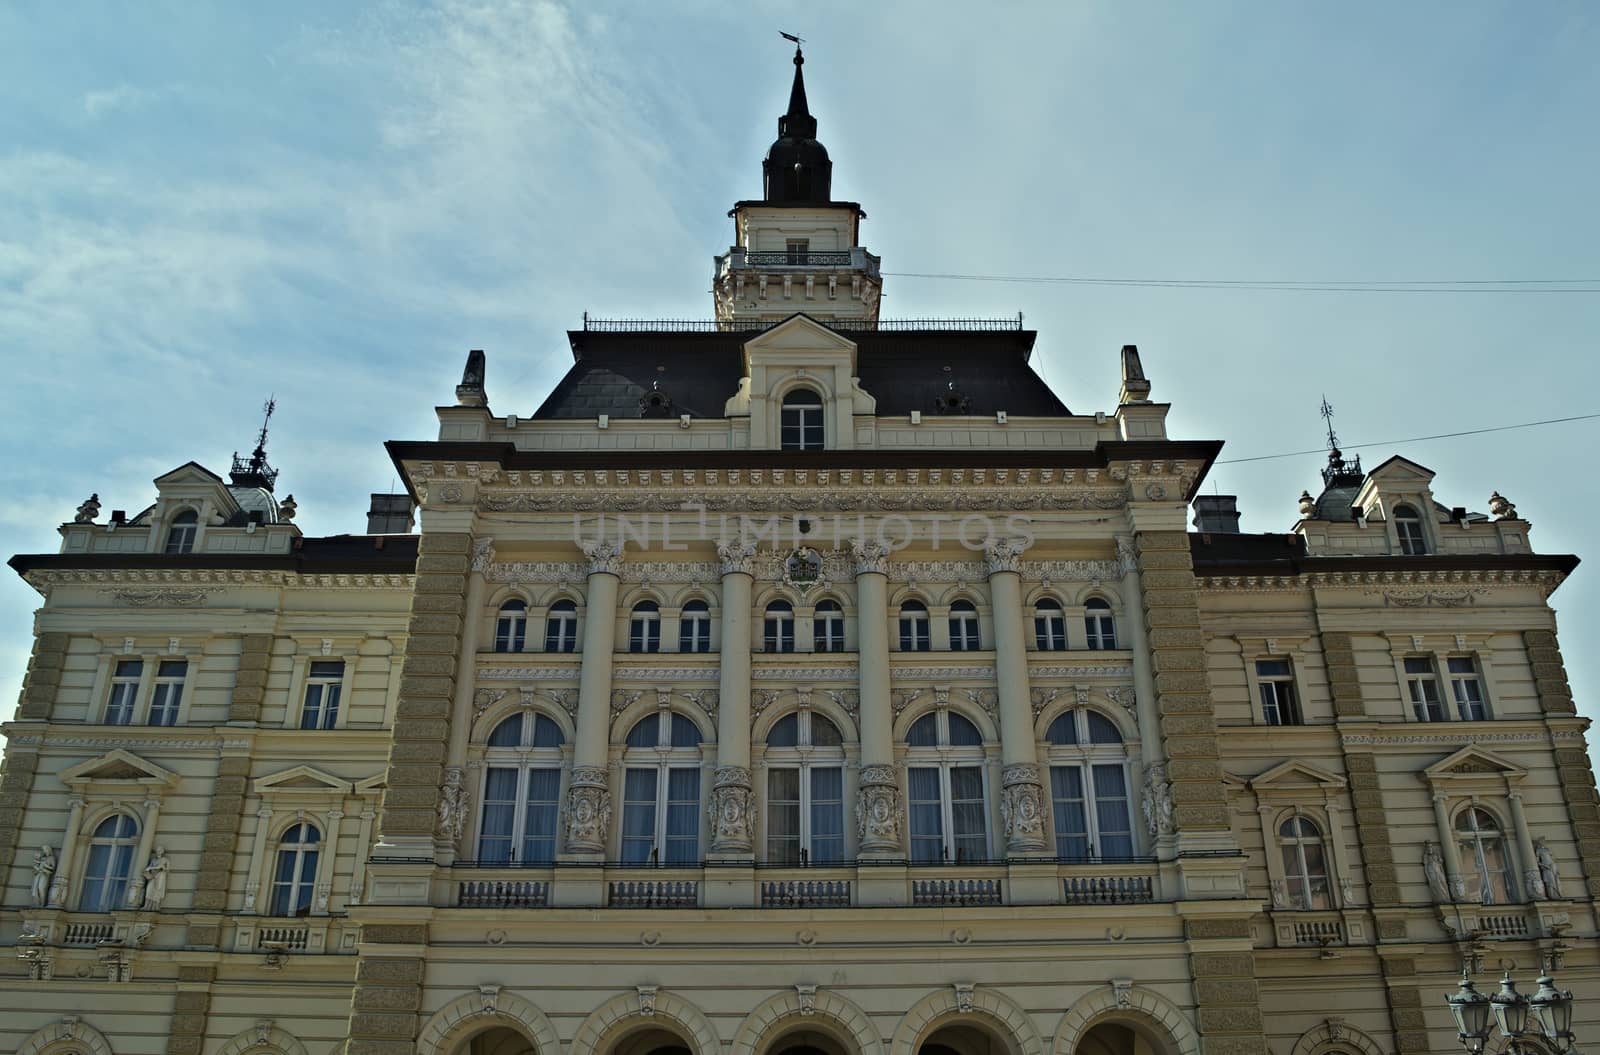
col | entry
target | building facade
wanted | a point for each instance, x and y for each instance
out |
(798, 682)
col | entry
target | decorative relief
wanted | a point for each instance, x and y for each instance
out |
(840, 673)
(736, 556)
(1039, 699)
(219, 577)
(528, 673)
(163, 598)
(605, 555)
(964, 997)
(761, 699)
(847, 700)
(807, 997)
(871, 556)
(1428, 598)
(939, 673)
(731, 808)
(1157, 801)
(1125, 697)
(1122, 670)
(622, 699)
(986, 700)
(705, 699)
(801, 571)
(588, 810)
(1021, 807)
(647, 999)
(1546, 579)
(1004, 554)
(813, 501)
(1127, 560)
(1369, 739)
(453, 807)
(900, 699)
(878, 809)
(483, 699)
(482, 554)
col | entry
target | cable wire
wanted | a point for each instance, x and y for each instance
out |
(1506, 285)
(1413, 439)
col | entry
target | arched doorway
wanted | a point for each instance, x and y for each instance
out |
(807, 1041)
(1116, 1038)
(651, 1040)
(963, 1038)
(497, 1040)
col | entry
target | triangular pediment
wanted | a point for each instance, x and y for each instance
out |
(1401, 470)
(1473, 761)
(798, 333)
(374, 784)
(189, 474)
(1295, 773)
(301, 780)
(118, 766)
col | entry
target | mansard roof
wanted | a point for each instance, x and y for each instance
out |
(332, 554)
(1226, 553)
(903, 369)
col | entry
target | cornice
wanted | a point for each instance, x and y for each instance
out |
(767, 566)
(1549, 579)
(129, 585)
(15, 737)
(1457, 740)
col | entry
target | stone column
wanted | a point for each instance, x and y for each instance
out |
(258, 850)
(1337, 858)
(1447, 846)
(69, 853)
(1021, 793)
(134, 896)
(323, 892)
(467, 676)
(589, 793)
(878, 806)
(1144, 678)
(1532, 885)
(731, 797)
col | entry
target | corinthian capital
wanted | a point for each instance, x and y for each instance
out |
(1004, 554)
(871, 556)
(605, 555)
(737, 555)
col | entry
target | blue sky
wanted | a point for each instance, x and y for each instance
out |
(202, 204)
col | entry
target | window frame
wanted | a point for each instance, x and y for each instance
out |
(966, 628)
(1277, 685)
(805, 756)
(1302, 873)
(663, 759)
(775, 617)
(1086, 755)
(1412, 543)
(694, 626)
(943, 757)
(809, 435)
(1423, 709)
(1479, 867)
(523, 758)
(827, 626)
(311, 679)
(166, 692)
(511, 626)
(183, 533)
(561, 626)
(1050, 628)
(134, 684)
(915, 625)
(1099, 625)
(644, 628)
(299, 853)
(1475, 677)
(112, 887)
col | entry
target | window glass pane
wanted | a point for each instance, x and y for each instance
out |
(1272, 668)
(963, 733)
(684, 732)
(824, 733)
(924, 732)
(638, 815)
(646, 732)
(967, 813)
(499, 814)
(508, 733)
(539, 822)
(927, 829)
(1102, 730)
(1418, 665)
(783, 816)
(786, 732)
(545, 732)
(1064, 730)
(827, 815)
(683, 816)
(1113, 815)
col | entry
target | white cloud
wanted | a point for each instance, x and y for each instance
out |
(98, 104)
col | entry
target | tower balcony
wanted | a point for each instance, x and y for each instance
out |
(743, 261)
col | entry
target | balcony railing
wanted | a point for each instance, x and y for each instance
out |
(1108, 890)
(87, 933)
(294, 938)
(594, 325)
(809, 258)
(503, 893)
(653, 893)
(925, 892)
(805, 893)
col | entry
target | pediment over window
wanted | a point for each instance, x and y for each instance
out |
(1296, 774)
(193, 482)
(301, 780)
(118, 767)
(1473, 763)
(799, 333)
(373, 785)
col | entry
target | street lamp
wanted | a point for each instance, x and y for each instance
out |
(1551, 1009)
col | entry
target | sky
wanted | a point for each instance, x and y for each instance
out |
(204, 204)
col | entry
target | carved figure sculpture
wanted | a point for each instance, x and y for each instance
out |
(155, 880)
(1547, 869)
(1433, 868)
(88, 511)
(44, 869)
(1157, 801)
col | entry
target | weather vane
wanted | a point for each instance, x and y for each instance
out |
(790, 36)
(1327, 412)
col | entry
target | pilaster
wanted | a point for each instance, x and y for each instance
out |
(1366, 794)
(250, 683)
(1576, 773)
(16, 784)
(1227, 998)
(191, 1008)
(221, 839)
(388, 989)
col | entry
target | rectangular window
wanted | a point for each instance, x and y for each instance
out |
(169, 691)
(797, 250)
(827, 815)
(1423, 686)
(644, 814)
(927, 814)
(499, 815)
(323, 685)
(639, 816)
(1279, 706)
(539, 816)
(783, 816)
(966, 814)
(683, 816)
(1072, 820)
(1467, 689)
(1113, 817)
(124, 691)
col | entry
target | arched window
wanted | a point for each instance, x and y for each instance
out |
(694, 627)
(802, 421)
(944, 774)
(180, 536)
(1049, 626)
(661, 791)
(105, 877)
(1089, 787)
(1485, 860)
(914, 635)
(561, 627)
(827, 627)
(644, 628)
(778, 627)
(1098, 625)
(521, 791)
(294, 877)
(1408, 527)
(805, 791)
(511, 628)
(964, 627)
(1305, 864)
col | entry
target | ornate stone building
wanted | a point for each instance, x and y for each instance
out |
(799, 682)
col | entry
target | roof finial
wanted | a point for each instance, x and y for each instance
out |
(1327, 413)
(254, 471)
(1338, 468)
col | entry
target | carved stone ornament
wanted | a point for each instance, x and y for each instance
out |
(452, 807)
(1433, 869)
(1122, 991)
(605, 555)
(1042, 698)
(871, 556)
(263, 1031)
(88, 511)
(736, 556)
(1125, 697)
(1549, 878)
(878, 809)
(705, 699)
(162, 598)
(1004, 554)
(44, 870)
(1127, 554)
(964, 997)
(588, 810)
(489, 999)
(848, 701)
(647, 999)
(802, 570)
(731, 808)
(1021, 808)
(482, 554)
(1157, 801)
(807, 996)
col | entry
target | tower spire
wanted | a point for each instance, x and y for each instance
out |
(254, 470)
(1339, 471)
(797, 169)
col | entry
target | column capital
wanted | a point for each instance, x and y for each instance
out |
(871, 556)
(605, 555)
(737, 555)
(1003, 554)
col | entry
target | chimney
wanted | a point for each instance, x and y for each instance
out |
(391, 515)
(1216, 514)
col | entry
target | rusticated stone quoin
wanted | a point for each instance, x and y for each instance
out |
(1183, 691)
(16, 783)
(250, 683)
(191, 1006)
(1549, 672)
(1405, 1006)
(1366, 795)
(43, 679)
(221, 838)
(1228, 1000)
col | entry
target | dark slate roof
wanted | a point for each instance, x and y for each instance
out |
(1222, 554)
(904, 370)
(331, 554)
(1335, 503)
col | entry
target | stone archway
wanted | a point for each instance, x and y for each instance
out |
(647, 1010)
(68, 1035)
(1163, 1024)
(264, 1037)
(1332, 1035)
(490, 1008)
(966, 1007)
(806, 1009)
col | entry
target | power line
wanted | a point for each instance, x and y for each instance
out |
(1506, 285)
(1413, 439)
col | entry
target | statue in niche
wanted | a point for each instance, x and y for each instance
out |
(1433, 868)
(1547, 869)
(44, 869)
(155, 880)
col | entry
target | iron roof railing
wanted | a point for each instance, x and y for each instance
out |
(594, 325)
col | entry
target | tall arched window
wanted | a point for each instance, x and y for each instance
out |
(521, 791)
(644, 628)
(661, 791)
(802, 421)
(944, 775)
(1049, 626)
(914, 632)
(511, 627)
(1485, 859)
(1089, 787)
(778, 627)
(1305, 864)
(805, 791)
(561, 627)
(1408, 527)
(294, 875)
(694, 627)
(180, 536)
(1098, 625)
(964, 627)
(827, 627)
(105, 877)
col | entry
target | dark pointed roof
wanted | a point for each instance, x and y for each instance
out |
(797, 169)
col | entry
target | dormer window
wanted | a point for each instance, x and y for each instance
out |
(180, 537)
(1408, 526)
(802, 421)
